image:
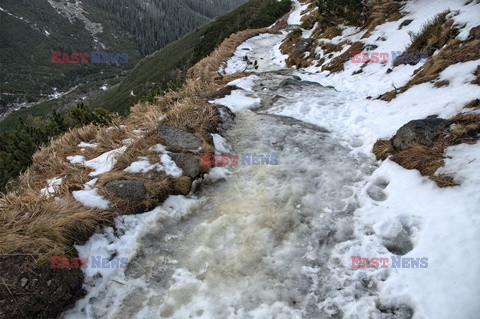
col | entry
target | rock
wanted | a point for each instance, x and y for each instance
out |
(126, 189)
(23, 282)
(177, 138)
(188, 163)
(419, 132)
(299, 83)
(302, 46)
(227, 118)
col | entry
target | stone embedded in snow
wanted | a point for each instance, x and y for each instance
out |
(297, 82)
(419, 132)
(125, 189)
(188, 163)
(178, 138)
(302, 46)
(227, 118)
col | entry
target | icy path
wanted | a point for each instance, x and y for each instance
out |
(258, 245)
(263, 242)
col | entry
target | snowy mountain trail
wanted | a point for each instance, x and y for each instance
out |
(261, 240)
(278, 239)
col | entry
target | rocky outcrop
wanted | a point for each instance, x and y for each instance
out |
(188, 163)
(419, 132)
(302, 46)
(127, 190)
(178, 138)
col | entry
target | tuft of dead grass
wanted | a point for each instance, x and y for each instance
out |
(329, 47)
(382, 11)
(442, 83)
(477, 74)
(309, 20)
(382, 149)
(390, 95)
(291, 40)
(30, 223)
(474, 104)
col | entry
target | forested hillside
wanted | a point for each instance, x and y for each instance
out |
(137, 28)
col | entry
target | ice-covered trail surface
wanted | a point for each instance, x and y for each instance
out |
(268, 241)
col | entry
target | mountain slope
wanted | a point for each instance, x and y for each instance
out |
(31, 30)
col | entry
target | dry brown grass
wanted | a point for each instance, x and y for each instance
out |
(33, 224)
(382, 149)
(291, 40)
(382, 11)
(309, 20)
(329, 47)
(477, 74)
(428, 159)
(337, 64)
(327, 33)
(299, 60)
(474, 104)
(442, 83)
(390, 95)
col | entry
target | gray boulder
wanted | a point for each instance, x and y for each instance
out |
(188, 163)
(178, 138)
(127, 190)
(419, 132)
(302, 46)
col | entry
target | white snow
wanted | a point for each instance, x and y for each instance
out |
(91, 198)
(52, 183)
(295, 16)
(170, 167)
(250, 50)
(89, 185)
(221, 146)
(105, 162)
(159, 148)
(143, 166)
(216, 173)
(237, 100)
(245, 83)
(85, 145)
(76, 159)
